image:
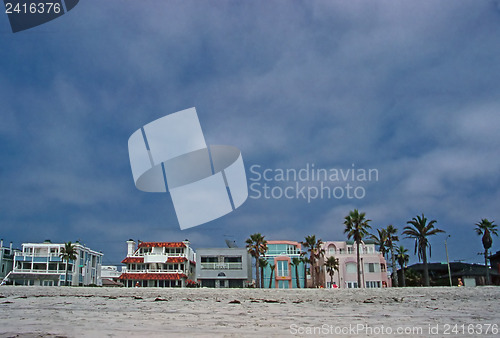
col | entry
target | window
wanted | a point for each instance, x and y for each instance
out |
(352, 285)
(331, 249)
(209, 259)
(372, 284)
(236, 259)
(372, 267)
(282, 284)
(282, 268)
(350, 268)
(382, 267)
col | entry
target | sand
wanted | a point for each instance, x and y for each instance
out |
(158, 312)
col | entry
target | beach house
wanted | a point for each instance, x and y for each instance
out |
(158, 264)
(373, 265)
(223, 267)
(6, 260)
(280, 271)
(41, 264)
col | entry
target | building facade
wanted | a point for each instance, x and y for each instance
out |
(373, 265)
(110, 275)
(223, 267)
(6, 260)
(280, 271)
(40, 264)
(158, 264)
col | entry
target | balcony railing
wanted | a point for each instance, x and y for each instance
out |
(41, 271)
(222, 266)
(42, 254)
(154, 270)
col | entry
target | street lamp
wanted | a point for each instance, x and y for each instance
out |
(447, 259)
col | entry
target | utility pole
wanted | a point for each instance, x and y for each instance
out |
(447, 259)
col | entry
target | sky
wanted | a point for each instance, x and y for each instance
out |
(410, 89)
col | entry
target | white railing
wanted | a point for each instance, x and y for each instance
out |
(222, 266)
(41, 270)
(159, 254)
(27, 254)
(155, 270)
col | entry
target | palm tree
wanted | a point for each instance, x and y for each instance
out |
(332, 265)
(305, 260)
(381, 240)
(391, 238)
(403, 259)
(262, 264)
(272, 266)
(315, 252)
(68, 252)
(419, 230)
(256, 246)
(356, 227)
(486, 228)
(296, 262)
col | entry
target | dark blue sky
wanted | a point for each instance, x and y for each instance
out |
(408, 88)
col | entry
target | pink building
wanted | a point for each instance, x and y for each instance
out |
(373, 265)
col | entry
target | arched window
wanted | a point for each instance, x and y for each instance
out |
(331, 249)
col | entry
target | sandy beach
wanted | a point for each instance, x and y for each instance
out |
(154, 312)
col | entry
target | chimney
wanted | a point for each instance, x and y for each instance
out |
(10, 246)
(1, 243)
(130, 247)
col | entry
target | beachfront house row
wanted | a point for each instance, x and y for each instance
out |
(373, 265)
(158, 264)
(40, 264)
(280, 256)
(223, 267)
(6, 260)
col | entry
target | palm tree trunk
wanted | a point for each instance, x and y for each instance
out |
(331, 281)
(359, 264)
(403, 282)
(66, 276)
(394, 267)
(487, 282)
(297, 276)
(305, 275)
(257, 272)
(271, 279)
(262, 285)
(426, 269)
(311, 271)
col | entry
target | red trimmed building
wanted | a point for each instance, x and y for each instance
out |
(158, 264)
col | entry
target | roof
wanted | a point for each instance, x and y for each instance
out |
(495, 256)
(153, 276)
(457, 269)
(133, 260)
(161, 245)
(109, 282)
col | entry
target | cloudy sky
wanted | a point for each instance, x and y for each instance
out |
(410, 89)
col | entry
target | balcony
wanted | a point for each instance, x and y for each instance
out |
(154, 270)
(41, 271)
(221, 266)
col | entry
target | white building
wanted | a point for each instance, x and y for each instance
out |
(110, 275)
(41, 264)
(158, 264)
(6, 260)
